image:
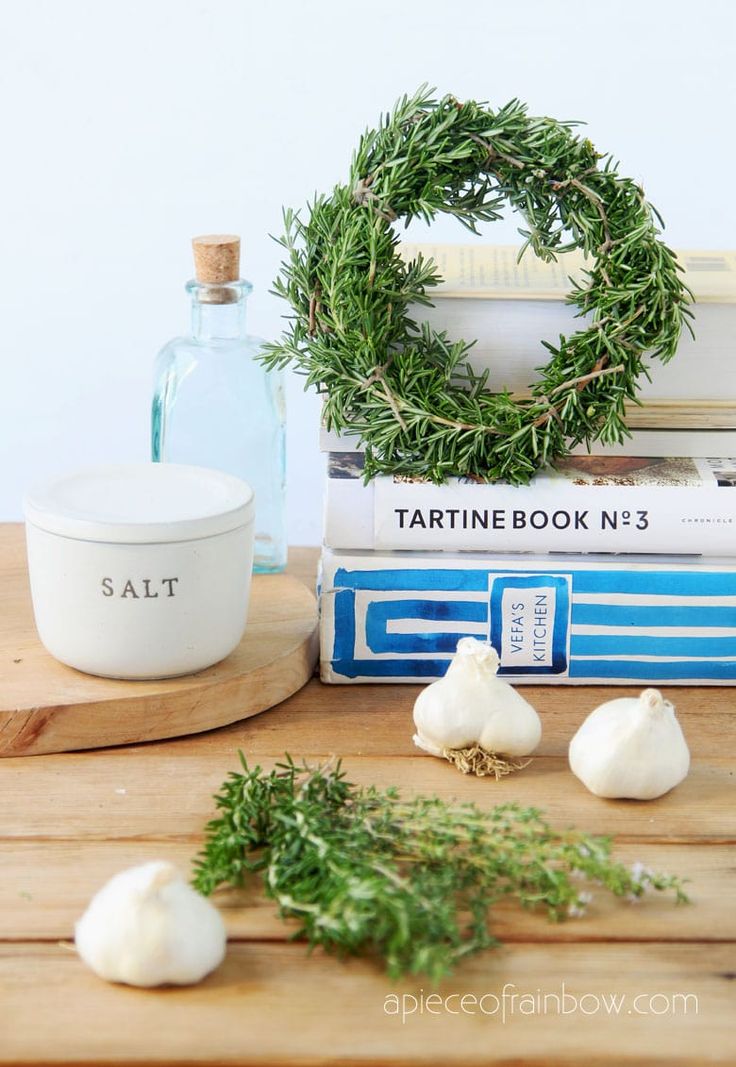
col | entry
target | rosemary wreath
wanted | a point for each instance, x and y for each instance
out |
(407, 390)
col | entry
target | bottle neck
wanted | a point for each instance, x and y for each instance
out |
(218, 311)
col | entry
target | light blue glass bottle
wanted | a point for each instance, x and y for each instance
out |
(215, 405)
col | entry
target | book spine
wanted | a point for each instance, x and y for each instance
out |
(646, 441)
(485, 271)
(507, 337)
(398, 619)
(552, 514)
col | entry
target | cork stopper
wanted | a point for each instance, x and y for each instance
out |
(216, 258)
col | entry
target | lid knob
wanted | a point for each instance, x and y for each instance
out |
(216, 258)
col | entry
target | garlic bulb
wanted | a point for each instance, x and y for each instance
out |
(630, 747)
(148, 927)
(472, 717)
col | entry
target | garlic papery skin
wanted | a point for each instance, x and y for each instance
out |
(471, 708)
(631, 748)
(148, 927)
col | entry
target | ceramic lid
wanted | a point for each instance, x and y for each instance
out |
(141, 503)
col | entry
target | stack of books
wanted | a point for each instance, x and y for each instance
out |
(618, 567)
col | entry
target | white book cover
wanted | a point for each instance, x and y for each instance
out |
(582, 504)
(509, 308)
(508, 335)
(699, 443)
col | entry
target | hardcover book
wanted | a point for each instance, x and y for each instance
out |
(581, 504)
(691, 430)
(509, 308)
(570, 619)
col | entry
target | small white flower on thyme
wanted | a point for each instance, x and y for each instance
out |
(640, 874)
(580, 906)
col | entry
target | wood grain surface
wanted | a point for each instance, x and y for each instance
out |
(46, 706)
(645, 984)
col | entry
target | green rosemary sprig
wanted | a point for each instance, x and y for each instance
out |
(412, 881)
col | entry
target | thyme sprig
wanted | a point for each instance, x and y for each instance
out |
(407, 391)
(412, 881)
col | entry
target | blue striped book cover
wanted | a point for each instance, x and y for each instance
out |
(397, 617)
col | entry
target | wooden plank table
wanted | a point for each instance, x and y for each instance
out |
(644, 984)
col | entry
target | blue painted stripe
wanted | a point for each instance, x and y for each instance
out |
(380, 611)
(344, 609)
(431, 610)
(643, 615)
(715, 670)
(390, 668)
(653, 671)
(633, 645)
(673, 582)
(656, 582)
(396, 580)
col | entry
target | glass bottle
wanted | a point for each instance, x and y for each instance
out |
(215, 405)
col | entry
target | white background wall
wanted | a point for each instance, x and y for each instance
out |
(130, 125)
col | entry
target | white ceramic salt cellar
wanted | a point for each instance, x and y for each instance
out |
(141, 570)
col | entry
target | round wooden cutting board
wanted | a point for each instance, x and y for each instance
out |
(48, 707)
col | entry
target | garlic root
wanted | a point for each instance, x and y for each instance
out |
(475, 760)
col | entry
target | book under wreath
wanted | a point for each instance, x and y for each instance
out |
(581, 504)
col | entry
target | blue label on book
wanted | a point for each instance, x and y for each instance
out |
(529, 622)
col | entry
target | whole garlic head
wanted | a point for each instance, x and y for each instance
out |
(472, 706)
(631, 748)
(148, 927)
